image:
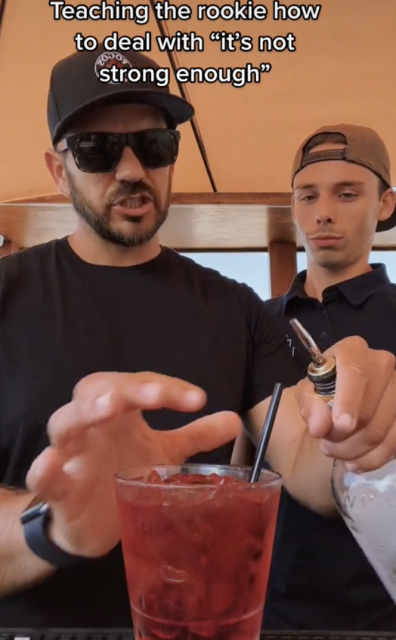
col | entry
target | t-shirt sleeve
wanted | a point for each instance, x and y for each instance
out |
(269, 359)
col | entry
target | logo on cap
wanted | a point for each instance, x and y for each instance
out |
(110, 59)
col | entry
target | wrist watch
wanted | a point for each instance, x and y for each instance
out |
(35, 519)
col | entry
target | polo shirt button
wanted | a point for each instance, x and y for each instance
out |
(323, 334)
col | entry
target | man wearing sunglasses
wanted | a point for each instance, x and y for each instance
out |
(108, 299)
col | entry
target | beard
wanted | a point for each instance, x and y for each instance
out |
(100, 221)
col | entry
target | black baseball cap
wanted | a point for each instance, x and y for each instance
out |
(75, 88)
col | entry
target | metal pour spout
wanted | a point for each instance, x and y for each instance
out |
(322, 370)
(308, 342)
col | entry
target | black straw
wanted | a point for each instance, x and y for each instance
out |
(266, 433)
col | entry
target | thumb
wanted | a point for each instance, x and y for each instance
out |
(45, 476)
(204, 434)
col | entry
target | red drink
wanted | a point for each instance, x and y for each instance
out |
(197, 550)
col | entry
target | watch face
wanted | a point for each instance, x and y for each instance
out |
(35, 508)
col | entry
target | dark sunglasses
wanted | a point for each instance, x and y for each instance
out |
(101, 152)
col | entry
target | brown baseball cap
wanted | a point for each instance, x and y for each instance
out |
(362, 146)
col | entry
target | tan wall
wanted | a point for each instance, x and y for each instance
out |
(343, 70)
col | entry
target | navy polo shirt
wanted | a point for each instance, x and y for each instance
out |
(320, 578)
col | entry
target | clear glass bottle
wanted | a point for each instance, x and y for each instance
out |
(367, 504)
(365, 501)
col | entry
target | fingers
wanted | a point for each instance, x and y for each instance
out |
(127, 391)
(376, 443)
(314, 411)
(202, 435)
(375, 459)
(104, 396)
(361, 428)
(362, 376)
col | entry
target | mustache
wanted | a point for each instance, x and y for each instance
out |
(133, 189)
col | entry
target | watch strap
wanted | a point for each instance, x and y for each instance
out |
(35, 526)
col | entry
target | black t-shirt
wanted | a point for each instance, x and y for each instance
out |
(62, 319)
(320, 578)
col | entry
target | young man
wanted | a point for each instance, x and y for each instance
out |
(342, 195)
(110, 299)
